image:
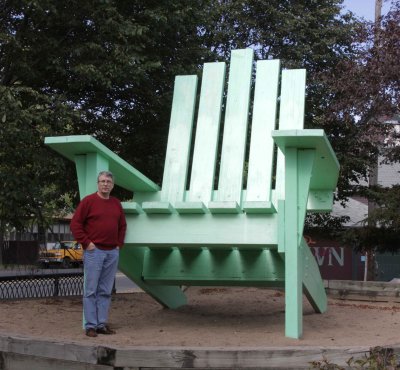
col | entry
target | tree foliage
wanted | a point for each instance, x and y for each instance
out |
(106, 68)
(365, 93)
(98, 67)
(302, 34)
(369, 91)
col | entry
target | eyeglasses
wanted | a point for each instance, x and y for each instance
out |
(105, 182)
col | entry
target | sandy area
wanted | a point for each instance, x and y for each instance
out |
(218, 317)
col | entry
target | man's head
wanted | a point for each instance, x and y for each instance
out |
(105, 183)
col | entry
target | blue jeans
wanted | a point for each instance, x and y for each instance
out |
(100, 267)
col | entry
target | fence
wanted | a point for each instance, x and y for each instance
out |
(17, 252)
(41, 286)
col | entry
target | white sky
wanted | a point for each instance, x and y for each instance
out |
(365, 8)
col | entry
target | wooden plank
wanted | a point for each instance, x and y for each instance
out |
(320, 201)
(235, 127)
(289, 357)
(224, 207)
(305, 164)
(190, 207)
(281, 226)
(202, 229)
(13, 361)
(326, 169)
(132, 207)
(298, 165)
(377, 291)
(157, 207)
(131, 264)
(125, 175)
(258, 207)
(88, 167)
(179, 137)
(291, 115)
(203, 266)
(51, 349)
(293, 262)
(261, 158)
(313, 285)
(208, 123)
(295, 357)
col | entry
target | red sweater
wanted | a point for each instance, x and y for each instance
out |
(101, 221)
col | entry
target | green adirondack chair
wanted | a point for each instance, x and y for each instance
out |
(188, 233)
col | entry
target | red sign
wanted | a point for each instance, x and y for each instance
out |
(335, 261)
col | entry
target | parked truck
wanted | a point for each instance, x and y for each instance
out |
(66, 254)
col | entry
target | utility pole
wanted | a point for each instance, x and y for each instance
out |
(369, 267)
(378, 11)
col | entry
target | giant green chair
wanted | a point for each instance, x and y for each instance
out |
(190, 233)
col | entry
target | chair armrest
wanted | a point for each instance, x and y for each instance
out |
(126, 176)
(326, 167)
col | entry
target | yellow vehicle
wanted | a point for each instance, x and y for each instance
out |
(65, 253)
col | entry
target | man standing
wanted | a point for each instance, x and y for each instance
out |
(99, 225)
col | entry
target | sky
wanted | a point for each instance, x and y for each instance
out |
(365, 8)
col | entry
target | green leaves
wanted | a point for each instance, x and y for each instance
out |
(107, 68)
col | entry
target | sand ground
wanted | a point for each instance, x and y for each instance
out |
(217, 317)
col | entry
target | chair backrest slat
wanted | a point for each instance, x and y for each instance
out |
(261, 144)
(179, 138)
(208, 123)
(291, 115)
(235, 127)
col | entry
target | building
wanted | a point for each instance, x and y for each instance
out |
(58, 231)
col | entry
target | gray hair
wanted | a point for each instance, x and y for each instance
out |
(105, 173)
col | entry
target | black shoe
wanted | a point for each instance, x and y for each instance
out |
(91, 333)
(105, 330)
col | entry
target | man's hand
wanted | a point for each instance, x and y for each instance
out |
(90, 247)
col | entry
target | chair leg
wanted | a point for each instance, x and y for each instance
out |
(131, 264)
(313, 284)
(293, 292)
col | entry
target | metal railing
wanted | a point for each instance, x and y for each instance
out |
(41, 286)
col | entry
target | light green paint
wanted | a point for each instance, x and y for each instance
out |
(293, 266)
(305, 162)
(258, 207)
(180, 134)
(208, 123)
(220, 230)
(88, 167)
(235, 127)
(224, 207)
(281, 226)
(319, 200)
(326, 166)
(313, 286)
(199, 266)
(157, 207)
(132, 207)
(291, 115)
(131, 264)
(197, 235)
(261, 157)
(190, 207)
(125, 175)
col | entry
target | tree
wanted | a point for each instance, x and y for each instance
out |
(302, 34)
(107, 69)
(371, 84)
(367, 87)
(101, 68)
(352, 80)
